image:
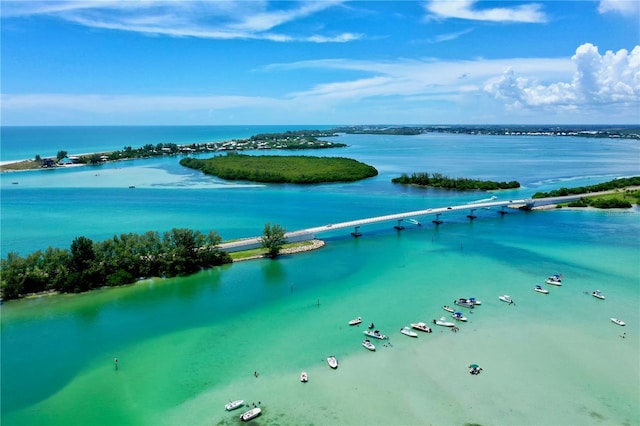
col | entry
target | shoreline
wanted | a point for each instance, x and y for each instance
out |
(315, 244)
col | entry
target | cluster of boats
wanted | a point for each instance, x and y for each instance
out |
(247, 415)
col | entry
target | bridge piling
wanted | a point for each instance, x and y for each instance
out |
(356, 233)
(471, 216)
(437, 220)
(399, 227)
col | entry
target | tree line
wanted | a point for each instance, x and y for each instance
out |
(117, 261)
(605, 186)
(437, 180)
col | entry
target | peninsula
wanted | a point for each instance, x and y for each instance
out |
(289, 140)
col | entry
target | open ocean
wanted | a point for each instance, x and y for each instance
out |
(186, 346)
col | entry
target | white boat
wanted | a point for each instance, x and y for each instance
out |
(355, 321)
(367, 344)
(421, 326)
(304, 377)
(407, 332)
(448, 308)
(458, 316)
(598, 295)
(443, 322)
(539, 289)
(251, 414)
(554, 280)
(506, 298)
(375, 334)
(232, 405)
(464, 302)
(333, 362)
(617, 321)
(475, 301)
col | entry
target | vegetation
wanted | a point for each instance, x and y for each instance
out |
(282, 169)
(117, 261)
(273, 239)
(605, 186)
(289, 140)
(599, 203)
(585, 131)
(437, 180)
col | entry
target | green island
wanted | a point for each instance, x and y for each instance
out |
(437, 180)
(621, 193)
(289, 140)
(282, 169)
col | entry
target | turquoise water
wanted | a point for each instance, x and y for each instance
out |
(186, 346)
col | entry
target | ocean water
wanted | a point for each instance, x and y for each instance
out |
(186, 346)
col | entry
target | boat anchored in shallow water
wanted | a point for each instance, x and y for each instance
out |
(355, 321)
(232, 405)
(304, 377)
(421, 326)
(617, 321)
(598, 295)
(408, 332)
(367, 344)
(554, 280)
(375, 334)
(443, 322)
(464, 303)
(251, 414)
(458, 316)
(333, 362)
(448, 308)
(539, 289)
(506, 298)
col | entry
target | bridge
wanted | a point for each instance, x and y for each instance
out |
(310, 233)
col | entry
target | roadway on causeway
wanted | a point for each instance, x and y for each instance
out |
(309, 233)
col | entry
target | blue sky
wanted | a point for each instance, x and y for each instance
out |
(135, 62)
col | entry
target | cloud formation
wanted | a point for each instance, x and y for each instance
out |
(623, 7)
(612, 78)
(202, 19)
(468, 10)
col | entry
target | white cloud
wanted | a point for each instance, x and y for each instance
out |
(201, 19)
(609, 79)
(624, 7)
(466, 9)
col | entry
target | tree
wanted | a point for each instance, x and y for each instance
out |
(273, 239)
(61, 155)
(38, 158)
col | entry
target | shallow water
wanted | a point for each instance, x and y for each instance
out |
(186, 346)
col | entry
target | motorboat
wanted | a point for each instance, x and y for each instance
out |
(232, 405)
(475, 301)
(539, 289)
(554, 280)
(464, 302)
(251, 414)
(448, 308)
(304, 377)
(408, 332)
(355, 321)
(458, 316)
(367, 344)
(443, 322)
(617, 321)
(506, 298)
(598, 295)
(421, 326)
(333, 362)
(475, 369)
(375, 334)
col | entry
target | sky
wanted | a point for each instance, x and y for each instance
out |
(329, 62)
